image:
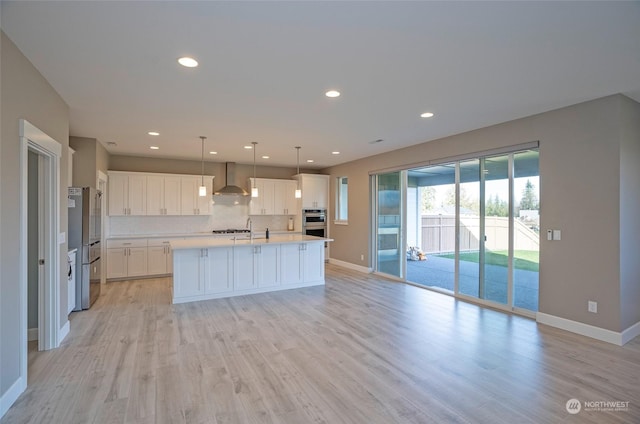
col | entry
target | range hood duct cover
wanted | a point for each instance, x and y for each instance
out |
(230, 180)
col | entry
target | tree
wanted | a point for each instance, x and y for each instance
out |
(466, 201)
(496, 207)
(529, 199)
(428, 199)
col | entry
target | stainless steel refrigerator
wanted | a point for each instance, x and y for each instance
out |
(84, 205)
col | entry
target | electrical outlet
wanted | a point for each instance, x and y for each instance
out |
(592, 306)
(362, 257)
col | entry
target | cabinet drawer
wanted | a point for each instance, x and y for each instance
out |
(159, 242)
(114, 244)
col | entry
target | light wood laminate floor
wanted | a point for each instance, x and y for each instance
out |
(359, 350)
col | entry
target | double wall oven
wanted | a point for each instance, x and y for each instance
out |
(314, 222)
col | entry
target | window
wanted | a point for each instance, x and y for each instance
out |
(342, 200)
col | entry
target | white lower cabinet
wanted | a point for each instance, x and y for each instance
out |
(159, 257)
(126, 258)
(189, 272)
(302, 262)
(207, 273)
(219, 276)
(200, 272)
(255, 266)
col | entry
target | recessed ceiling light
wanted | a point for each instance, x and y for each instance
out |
(426, 115)
(332, 93)
(335, 153)
(154, 147)
(213, 153)
(153, 133)
(188, 62)
(248, 147)
(310, 160)
(265, 157)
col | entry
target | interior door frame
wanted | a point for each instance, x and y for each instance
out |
(103, 181)
(49, 152)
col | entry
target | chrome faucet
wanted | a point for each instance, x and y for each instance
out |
(250, 227)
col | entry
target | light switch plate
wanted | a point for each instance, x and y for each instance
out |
(549, 235)
(62, 237)
(557, 235)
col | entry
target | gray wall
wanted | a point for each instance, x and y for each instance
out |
(25, 94)
(629, 208)
(90, 156)
(176, 166)
(580, 185)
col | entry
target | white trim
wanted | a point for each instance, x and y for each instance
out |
(12, 394)
(631, 333)
(583, 329)
(64, 331)
(349, 265)
(341, 222)
(32, 334)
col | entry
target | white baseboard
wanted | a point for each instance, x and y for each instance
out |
(64, 331)
(32, 334)
(586, 329)
(349, 265)
(11, 395)
(631, 333)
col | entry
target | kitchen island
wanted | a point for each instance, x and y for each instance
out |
(210, 268)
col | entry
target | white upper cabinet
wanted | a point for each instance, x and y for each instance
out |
(275, 197)
(163, 195)
(127, 194)
(136, 193)
(315, 191)
(191, 202)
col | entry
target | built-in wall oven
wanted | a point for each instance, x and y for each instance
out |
(314, 222)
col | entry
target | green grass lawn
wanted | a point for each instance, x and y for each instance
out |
(522, 259)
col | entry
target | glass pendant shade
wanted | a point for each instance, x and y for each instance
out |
(298, 193)
(202, 191)
(254, 191)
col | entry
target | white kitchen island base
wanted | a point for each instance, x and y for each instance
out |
(213, 268)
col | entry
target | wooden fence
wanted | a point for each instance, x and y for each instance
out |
(439, 231)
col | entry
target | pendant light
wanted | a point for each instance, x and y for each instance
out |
(202, 190)
(254, 189)
(298, 194)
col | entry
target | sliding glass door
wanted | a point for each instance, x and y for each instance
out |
(470, 228)
(390, 201)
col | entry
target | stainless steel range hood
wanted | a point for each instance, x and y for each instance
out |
(230, 180)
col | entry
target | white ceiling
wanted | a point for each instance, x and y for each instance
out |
(264, 68)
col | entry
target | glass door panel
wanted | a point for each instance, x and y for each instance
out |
(389, 249)
(432, 195)
(495, 243)
(469, 221)
(526, 230)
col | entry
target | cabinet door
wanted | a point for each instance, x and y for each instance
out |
(188, 194)
(116, 263)
(291, 263)
(267, 194)
(313, 261)
(219, 266)
(291, 206)
(315, 191)
(136, 261)
(256, 204)
(137, 195)
(188, 278)
(243, 269)
(203, 203)
(118, 184)
(266, 264)
(155, 195)
(172, 198)
(156, 260)
(279, 198)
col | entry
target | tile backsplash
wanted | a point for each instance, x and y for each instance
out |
(224, 215)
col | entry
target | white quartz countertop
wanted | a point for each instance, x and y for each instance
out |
(243, 240)
(188, 235)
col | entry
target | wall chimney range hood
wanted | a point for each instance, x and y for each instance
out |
(230, 187)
